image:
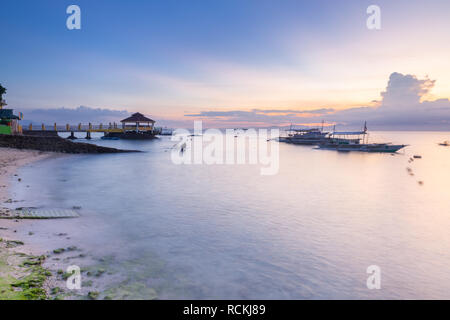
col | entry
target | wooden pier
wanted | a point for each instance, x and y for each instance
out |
(87, 128)
(137, 123)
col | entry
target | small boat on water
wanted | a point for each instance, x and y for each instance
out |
(445, 144)
(312, 136)
(356, 141)
(166, 132)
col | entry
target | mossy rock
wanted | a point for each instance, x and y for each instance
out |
(56, 290)
(93, 295)
(13, 243)
(32, 285)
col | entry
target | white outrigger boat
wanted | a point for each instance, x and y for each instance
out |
(356, 141)
(304, 136)
(313, 136)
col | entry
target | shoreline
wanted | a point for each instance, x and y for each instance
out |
(35, 253)
(11, 160)
(25, 272)
(22, 275)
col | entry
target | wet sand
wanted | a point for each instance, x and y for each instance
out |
(42, 249)
(19, 263)
(10, 161)
(21, 260)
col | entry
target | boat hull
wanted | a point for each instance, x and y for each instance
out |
(384, 148)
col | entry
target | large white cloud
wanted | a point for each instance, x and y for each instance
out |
(405, 90)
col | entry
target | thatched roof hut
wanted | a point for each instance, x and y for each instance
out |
(137, 118)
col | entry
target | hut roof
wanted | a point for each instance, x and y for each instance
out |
(137, 117)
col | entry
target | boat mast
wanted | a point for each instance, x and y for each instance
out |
(366, 138)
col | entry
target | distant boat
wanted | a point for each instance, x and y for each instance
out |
(306, 137)
(356, 141)
(445, 144)
(312, 136)
(363, 147)
(166, 132)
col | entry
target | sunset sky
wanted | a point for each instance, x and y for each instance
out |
(233, 62)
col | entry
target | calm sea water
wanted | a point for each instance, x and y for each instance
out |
(226, 232)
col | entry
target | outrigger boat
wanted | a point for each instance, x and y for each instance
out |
(356, 141)
(304, 136)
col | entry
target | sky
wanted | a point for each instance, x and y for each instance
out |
(229, 63)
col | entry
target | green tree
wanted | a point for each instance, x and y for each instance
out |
(2, 91)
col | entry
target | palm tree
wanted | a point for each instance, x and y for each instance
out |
(2, 92)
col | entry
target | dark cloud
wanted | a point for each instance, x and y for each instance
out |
(81, 114)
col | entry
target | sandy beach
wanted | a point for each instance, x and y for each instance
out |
(22, 271)
(10, 160)
(20, 264)
(35, 253)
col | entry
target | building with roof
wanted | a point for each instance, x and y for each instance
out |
(137, 126)
(9, 122)
(137, 122)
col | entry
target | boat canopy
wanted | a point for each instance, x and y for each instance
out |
(349, 133)
(306, 130)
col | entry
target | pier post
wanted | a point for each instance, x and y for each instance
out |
(72, 136)
(88, 135)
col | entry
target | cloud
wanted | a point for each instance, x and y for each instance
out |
(405, 90)
(403, 105)
(291, 111)
(81, 114)
(259, 116)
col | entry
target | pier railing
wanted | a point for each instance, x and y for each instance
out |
(110, 127)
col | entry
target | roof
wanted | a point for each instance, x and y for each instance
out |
(7, 114)
(137, 117)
